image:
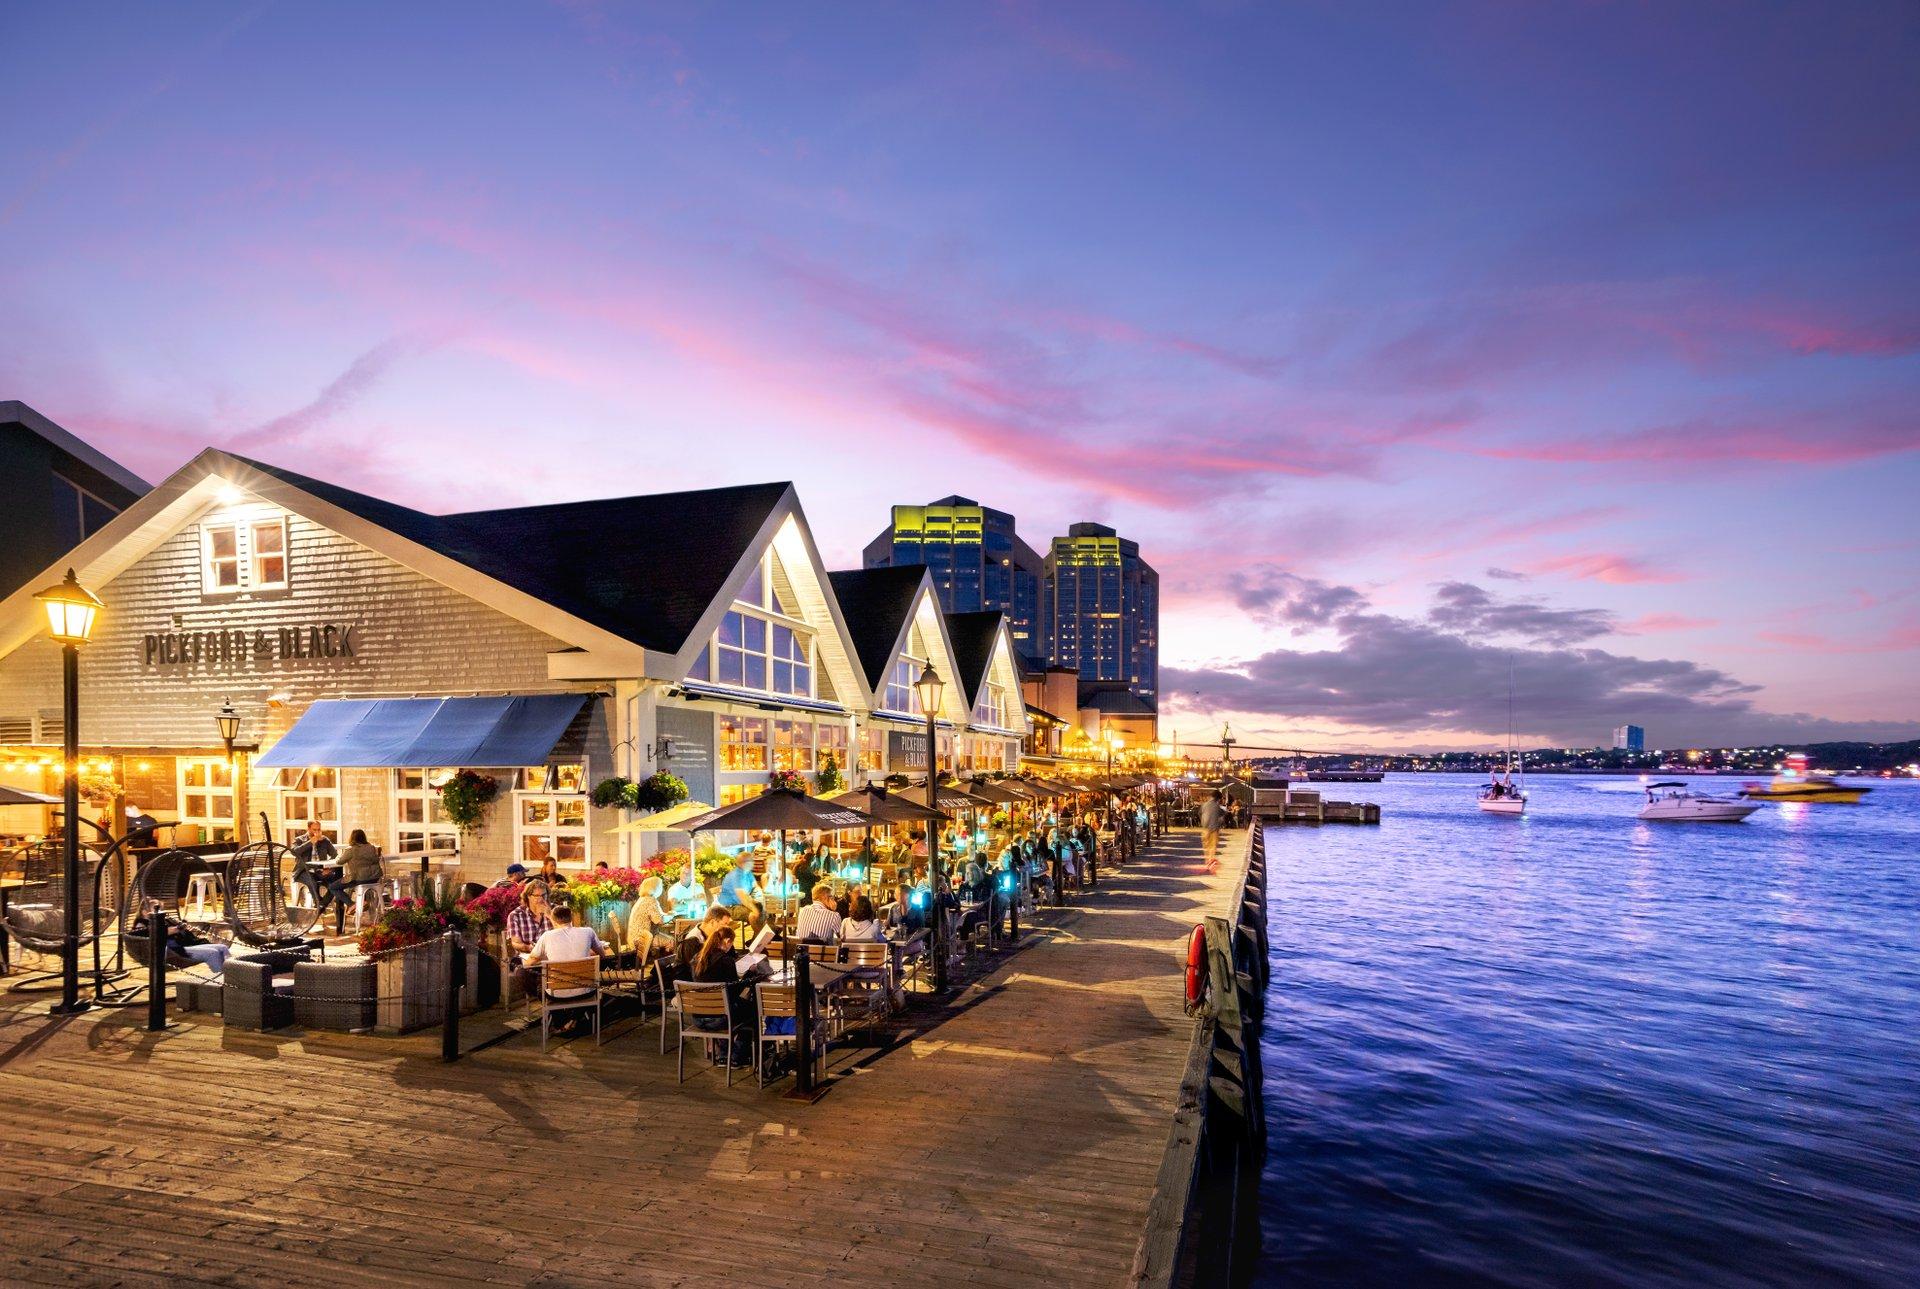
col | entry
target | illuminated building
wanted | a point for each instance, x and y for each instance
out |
(978, 563)
(1101, 602)
(1629, 738)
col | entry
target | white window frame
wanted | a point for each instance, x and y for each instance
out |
(991, 710)
(310, 788)
(771, 619)
(256, 579)
(412, 837)
(209, 563)
(899, 686)
(208, 816)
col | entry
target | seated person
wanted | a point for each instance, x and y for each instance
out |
(818, 923)
(862, 926)
(740, 892)
(687, 897)
(717, 963)
(563, 942)
(648, 919)
(527, 923)
(316, 854)
(807, 870)
(711, 922)
(360, 866)
(550, 872)
(184, 948)
(516, 876)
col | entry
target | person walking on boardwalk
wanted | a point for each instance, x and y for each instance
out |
(1211, 817)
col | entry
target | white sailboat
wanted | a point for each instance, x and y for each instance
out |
(1502, 795)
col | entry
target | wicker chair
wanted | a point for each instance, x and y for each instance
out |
(37, 910)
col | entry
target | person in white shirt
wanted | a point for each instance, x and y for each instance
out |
(566, 943)
(818, 922)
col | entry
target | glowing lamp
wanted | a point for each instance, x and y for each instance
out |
(930, 687)
(71, 611)
(228, 722)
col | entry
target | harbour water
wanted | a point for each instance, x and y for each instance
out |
(1578, 1049)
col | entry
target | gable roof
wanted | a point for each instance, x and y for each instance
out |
(974, 636)
(877, 602)
(644, 568)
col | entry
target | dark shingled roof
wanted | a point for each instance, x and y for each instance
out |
(973, 635)
(876, 603)
(643, 568)
(1115, 702)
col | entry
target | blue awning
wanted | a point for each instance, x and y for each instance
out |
(400, 733)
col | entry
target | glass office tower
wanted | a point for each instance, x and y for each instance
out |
(977, 560)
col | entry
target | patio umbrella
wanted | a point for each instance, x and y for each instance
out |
(20, 797)
(778, 810)
(997, 793)
(672, 819)
(887, 808)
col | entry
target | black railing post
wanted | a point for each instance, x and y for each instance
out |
(156, 968)
(803, 1085)
(1013, 911)
(456, 979)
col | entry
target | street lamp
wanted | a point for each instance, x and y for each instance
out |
(72, 611)
(930, 687)
(1226, 749)
(229, 723)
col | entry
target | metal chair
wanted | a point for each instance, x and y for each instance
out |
(557, 985)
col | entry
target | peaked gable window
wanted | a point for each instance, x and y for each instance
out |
(763, 644)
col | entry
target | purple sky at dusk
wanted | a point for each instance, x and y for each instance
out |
(1406, 339)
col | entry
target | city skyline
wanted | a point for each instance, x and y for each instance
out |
(1585, 347)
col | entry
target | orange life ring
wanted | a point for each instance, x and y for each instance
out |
(1196, 965)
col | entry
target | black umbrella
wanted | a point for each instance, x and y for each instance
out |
(777, 810)
(19, 797)
(997, 793)
(887, 808)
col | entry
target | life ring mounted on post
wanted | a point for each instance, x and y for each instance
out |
(1196, 967)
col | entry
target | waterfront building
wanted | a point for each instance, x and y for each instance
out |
(372, 650)
(59, 491)
(1102, 607)
(977, 560)
(897, 629)
(1629, 738)
(988, 673)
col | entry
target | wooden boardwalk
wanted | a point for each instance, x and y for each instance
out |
(1012, 1142)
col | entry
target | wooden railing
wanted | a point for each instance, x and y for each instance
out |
(1203, 1222)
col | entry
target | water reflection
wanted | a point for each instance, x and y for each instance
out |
(1582, 1048)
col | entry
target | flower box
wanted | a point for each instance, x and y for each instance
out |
(412, 986)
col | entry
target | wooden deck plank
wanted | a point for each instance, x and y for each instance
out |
(1014, 1140)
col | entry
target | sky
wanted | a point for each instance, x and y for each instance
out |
(1431, 351)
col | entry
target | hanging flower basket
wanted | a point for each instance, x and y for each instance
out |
(466, 796)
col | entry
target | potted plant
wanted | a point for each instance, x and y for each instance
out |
(465, 798)
(614, 792)
(828, 778)
(790, 780)
(601, 898)
(659, 790)
(409, 966)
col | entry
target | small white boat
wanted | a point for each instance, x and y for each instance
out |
(1675, 803)
(1501, 796)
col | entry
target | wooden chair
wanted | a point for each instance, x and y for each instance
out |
(874, 956)
(777, 1002)
(692, 1001)
(560, 979)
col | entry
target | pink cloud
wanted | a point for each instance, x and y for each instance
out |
(1897, 640)
(1648, 623)
(1813, 442)
(1613, 569)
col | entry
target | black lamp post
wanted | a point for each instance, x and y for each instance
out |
(71, 612)
(1226, 750)
(930, 687)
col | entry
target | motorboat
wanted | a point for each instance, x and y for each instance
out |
(1676, 803)
(1806, 787)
